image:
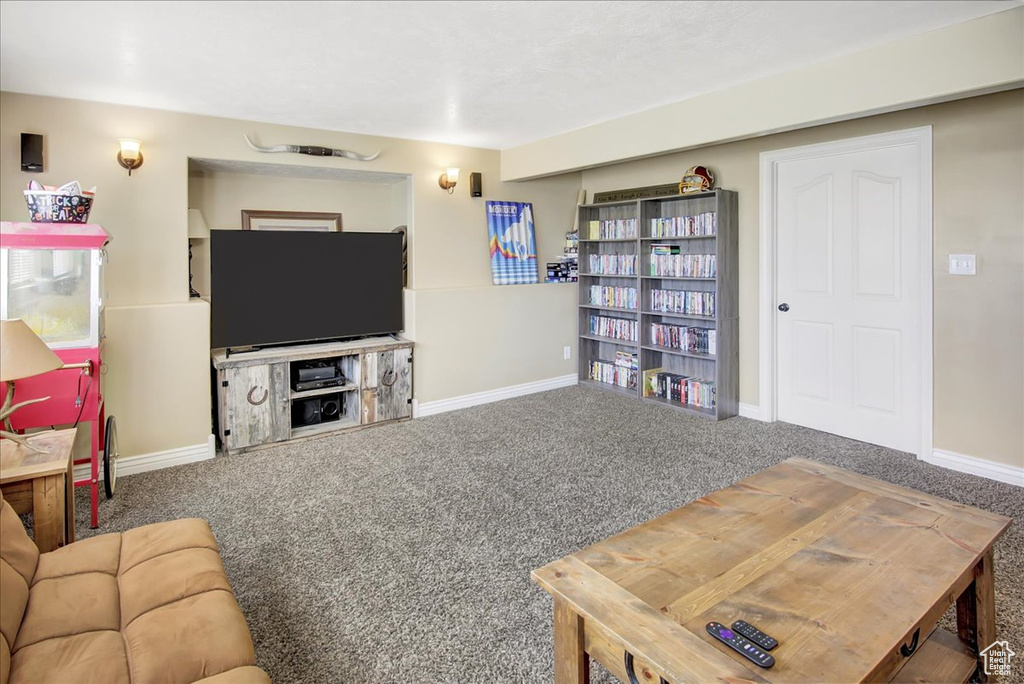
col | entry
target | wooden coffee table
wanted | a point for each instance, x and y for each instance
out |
(42, 484)
(848, 573)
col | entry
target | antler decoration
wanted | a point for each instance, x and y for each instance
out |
(6, 412)
(312, 151)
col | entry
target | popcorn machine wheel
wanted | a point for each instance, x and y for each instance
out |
(110, 456)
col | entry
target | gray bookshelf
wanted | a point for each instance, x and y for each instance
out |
(721, 368)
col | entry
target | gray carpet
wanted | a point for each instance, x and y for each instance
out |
(403, 553)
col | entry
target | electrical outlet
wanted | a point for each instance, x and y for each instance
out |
(567, 353)
(962, 264)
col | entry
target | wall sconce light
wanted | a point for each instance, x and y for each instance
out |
(130, 155)
(449, 179)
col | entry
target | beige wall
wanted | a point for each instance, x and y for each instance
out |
(154, 345)
(157, 383)
(978, 208)
(972, 58)
(487, 358)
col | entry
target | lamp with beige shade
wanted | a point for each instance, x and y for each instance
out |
(22, 355)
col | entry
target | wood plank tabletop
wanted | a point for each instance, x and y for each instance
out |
(840, 568)
(18, 463)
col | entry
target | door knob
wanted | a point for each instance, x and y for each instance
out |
(783, 307)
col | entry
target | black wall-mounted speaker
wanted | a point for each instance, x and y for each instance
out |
(475, 185)
(31, 152)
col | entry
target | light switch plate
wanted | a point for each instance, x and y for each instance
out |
(962, 264)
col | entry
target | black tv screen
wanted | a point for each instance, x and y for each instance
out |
(279, 287)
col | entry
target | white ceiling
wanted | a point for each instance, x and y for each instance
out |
(487, 74)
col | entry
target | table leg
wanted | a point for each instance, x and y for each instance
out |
(572, 665)
(976, 611)
(69, 503)
(47, 513)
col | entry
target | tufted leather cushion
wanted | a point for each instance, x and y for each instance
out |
(18, 560)
(150, 605)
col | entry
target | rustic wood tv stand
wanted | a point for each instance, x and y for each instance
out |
(258, 404)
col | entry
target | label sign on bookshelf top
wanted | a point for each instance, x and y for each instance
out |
(648, 192)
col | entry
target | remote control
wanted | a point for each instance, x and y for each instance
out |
(755, 635)
(742, 646)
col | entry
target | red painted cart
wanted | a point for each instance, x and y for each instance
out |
(52, 278)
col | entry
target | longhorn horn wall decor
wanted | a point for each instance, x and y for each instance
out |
(312, 151)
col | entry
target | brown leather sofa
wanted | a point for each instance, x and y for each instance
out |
(149, 605)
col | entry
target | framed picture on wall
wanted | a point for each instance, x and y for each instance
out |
(325, 222)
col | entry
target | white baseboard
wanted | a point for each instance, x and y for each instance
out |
(129, 465)
(455, 403)
(976, 466)
(752, 411)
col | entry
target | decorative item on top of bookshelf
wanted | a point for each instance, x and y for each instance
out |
(696, 179)
(513, 245)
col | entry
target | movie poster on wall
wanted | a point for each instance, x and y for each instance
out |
(512, 242)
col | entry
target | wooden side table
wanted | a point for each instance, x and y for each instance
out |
(42, 484)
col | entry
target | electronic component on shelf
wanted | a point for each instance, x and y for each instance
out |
(317, 374)
(319, 384)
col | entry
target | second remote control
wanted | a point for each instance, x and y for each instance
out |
(739, 644)
(755, 635)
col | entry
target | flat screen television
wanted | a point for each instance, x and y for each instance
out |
(286, 287)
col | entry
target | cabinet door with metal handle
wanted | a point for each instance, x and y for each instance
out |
(257, 405)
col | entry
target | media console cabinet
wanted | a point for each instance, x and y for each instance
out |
(258, 402)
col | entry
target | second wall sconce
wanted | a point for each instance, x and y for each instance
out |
(449, 179)
(130, 154)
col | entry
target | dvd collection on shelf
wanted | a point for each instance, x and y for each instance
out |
(612, 264)
(667, 261)
(623, 372)
(614, 328)
(562, 271)
(683, 302)
(612, 229)
(684, 338)
(566, 269)
(657, 298)
(681, 389)
(701, 225)
(613, 297)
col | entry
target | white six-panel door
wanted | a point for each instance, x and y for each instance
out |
(848, 270)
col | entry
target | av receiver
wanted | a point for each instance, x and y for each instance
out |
(319, 384)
